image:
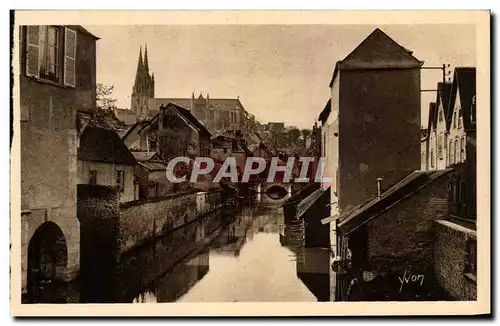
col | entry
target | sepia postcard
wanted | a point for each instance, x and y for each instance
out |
(250, 163)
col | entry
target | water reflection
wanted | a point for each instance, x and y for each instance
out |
(312, 264)
(227, 256)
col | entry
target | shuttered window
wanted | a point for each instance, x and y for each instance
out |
(32, 51)
(69, 57)
(46, 49)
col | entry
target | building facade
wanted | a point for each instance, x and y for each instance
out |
(372, 131)
(103, 159)
(437, 142)
(57, 79)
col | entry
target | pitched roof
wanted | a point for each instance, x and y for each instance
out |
(323, 116)
(433, 112)
(184, 102)
(423, 134)
(302, 193)
(153, 166)
(464, 80)
(377, 51)
(409, 186)
(103, 145)
(133, 130)
(85, 31)
(443, 96)
(143, 156)
(189, 116)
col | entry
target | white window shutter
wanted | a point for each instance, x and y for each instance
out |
(33, 51)
(69, 57)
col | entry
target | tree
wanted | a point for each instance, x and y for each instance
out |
(105, 101)
(294, 134)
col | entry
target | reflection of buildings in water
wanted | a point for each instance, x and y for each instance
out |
(293, 235)
(313, 269)
(177, 282)
(280, 223)
(313, 264)
(140, 270)
(250, 221)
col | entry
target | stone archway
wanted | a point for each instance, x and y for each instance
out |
(47, 260)
(273, 193)
(276, 192)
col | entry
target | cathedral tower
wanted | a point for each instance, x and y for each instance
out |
(143, 92)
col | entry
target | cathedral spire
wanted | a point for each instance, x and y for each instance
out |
(146, 64)
(138, 74)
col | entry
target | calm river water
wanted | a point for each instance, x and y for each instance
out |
(227, 256)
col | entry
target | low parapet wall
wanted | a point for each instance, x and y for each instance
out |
(143, 220)
(129, 224)
(455, 259)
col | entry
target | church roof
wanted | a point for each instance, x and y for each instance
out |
(230, 103)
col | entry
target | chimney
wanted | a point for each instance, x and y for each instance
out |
(379, 180)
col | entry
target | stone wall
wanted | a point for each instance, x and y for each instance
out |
(144, 219)
(450, 256)
(405, 232)
(98, 211)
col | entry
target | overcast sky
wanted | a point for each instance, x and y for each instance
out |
(280, 73)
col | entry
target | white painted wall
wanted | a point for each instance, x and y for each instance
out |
(457, 134)
(106, 176)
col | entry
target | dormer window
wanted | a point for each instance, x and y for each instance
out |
(440, 116)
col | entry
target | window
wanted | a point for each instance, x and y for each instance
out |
(48, 57)
(452, 153)
(233, 116)
(456, 153)
(92, 177)
(461, 193)
(462, 149)
(452, 194)
(432, 158)
(459, 118)
(49, 53)
(440, 115)
(120, 180)
(440, 146)
(454, 119)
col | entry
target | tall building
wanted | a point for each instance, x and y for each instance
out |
(143, 93)
(371, 130)
(57, 82)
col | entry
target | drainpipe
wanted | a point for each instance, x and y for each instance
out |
(379, 180)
